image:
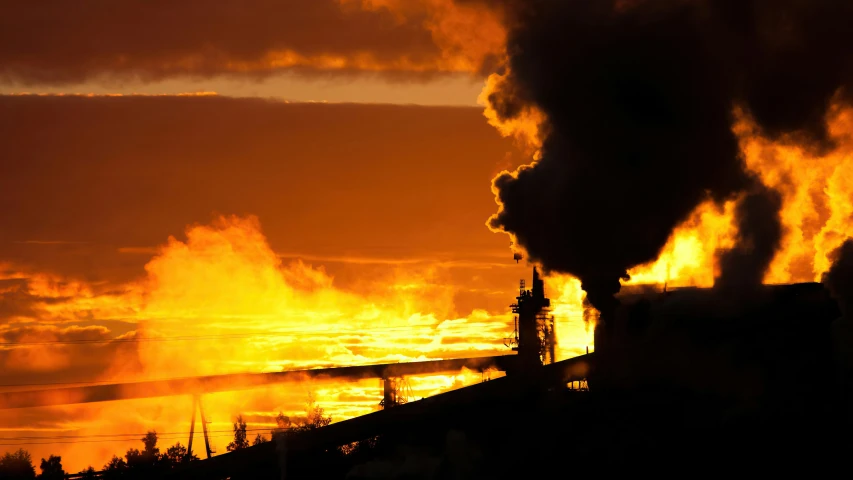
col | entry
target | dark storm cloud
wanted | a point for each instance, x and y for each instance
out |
(55, 42)
(639, 99)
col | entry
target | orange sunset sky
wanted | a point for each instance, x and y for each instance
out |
(301, 183)
(306, 181)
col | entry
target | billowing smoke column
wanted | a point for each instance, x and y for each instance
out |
(839, 279)
(639, 99)
(759, 235)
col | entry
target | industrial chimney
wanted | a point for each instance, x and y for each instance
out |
(535, 338)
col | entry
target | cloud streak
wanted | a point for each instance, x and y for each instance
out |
(52, 43)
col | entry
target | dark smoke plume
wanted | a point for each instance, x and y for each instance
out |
(590, 314)
(759, 234)
(839, 279)
(639, 97)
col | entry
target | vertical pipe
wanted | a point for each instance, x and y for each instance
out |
(552, 340)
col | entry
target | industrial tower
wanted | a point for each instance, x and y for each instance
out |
(395, 391)
(534, 336)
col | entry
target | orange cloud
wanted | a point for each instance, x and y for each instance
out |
(135, 39)
(257, 313)
(359, 250)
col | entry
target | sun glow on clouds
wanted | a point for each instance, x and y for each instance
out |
(469, 36)
(226, 279)
(261, 314)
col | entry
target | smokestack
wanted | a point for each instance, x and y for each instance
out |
(538, 285)
(638, 99)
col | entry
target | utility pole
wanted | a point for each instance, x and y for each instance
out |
(192, 428)
(203, 426)
(197, 406)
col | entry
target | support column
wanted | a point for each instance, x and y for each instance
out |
(280, 439)
(192, 429)
(389, 393)
(204, 426)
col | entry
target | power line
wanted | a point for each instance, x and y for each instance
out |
(91, 441)
(121, 436)
(114, 438)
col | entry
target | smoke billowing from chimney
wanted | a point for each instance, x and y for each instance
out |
(839, 279)
(638, 98)
(759, 235)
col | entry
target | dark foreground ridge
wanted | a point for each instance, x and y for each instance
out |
(684, 383)
(403, 423)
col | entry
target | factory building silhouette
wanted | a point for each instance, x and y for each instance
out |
(699, 373)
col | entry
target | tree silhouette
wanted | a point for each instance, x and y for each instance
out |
(240, 441)
(146, 459)
(149, 461)
(175, 455)
(314, 415)
(134, 458)
(89, 473)
(17, 466)
(51, 469)
(151, 452)
(115, 468)
(259, 439)
(283, 421)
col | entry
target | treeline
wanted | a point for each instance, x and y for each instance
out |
(14, 465)
(314, 418)
(135, 463)
(150, 460)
